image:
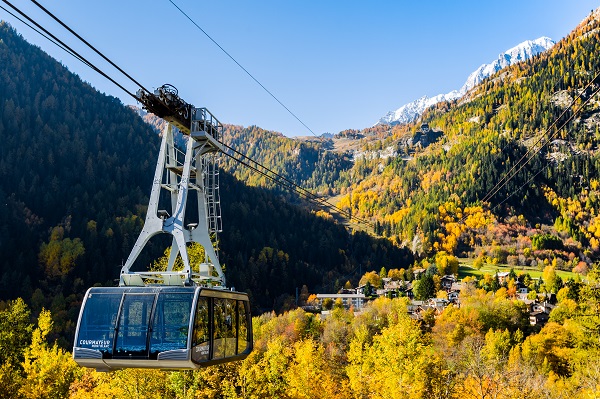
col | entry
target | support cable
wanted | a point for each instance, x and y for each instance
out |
(522, 165)
(79, 56)
(259, 168)
(517, 190)
(243, 69)
(510, 175)
(304, 191)
(33, 28)
(87, 44)
(519, 164)
(290, 185)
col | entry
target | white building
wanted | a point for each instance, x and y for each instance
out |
(349, 300)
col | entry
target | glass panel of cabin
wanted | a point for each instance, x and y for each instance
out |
(218, 328)
(201, 338)
(97, 325)
(171, 323)
(242, 327)
(132, 336)
(224, 326)
(230, 327)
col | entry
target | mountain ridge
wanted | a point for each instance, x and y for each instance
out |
(76, 168)
(523, 51)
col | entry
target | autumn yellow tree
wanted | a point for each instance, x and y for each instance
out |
(394, 365)
(309, 375)
(49, 370)
(59, 256)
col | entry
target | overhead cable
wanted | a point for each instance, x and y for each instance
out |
(520, 164)
(285, 182)
(243, 69)
(87, 44)
(73, 52)
(252, 164)
(33, 28)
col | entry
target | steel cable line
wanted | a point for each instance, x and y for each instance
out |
(33, 28)
(304, 191)
(73, 52)
(558, 129)
(273, 179)
(509, 175)
(243, 69)
(282, 180)
(279, 179)
(87, 44)
(517, 190)
(490, 194)
(317, 199)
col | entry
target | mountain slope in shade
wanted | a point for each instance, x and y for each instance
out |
(411, 111)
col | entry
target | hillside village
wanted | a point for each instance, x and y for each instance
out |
(355, 299)
(480, 251)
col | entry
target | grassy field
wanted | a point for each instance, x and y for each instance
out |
(465, 269)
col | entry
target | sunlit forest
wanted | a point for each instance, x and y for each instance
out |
(484, 348)
(75, 199)
(428, 195)
(75, 173)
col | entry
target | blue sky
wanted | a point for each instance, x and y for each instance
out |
(336, 64)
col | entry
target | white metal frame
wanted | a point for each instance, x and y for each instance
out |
(197, 172)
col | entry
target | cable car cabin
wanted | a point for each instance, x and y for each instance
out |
(163, 327)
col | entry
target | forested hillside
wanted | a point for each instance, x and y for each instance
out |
(485, 348)
(433, 199)
(433, 196)
(74, 167)
(75, 173)
(309, 163)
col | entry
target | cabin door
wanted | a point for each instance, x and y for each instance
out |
(133, 326)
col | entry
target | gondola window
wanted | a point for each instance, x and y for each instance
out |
(97, 325)
(132, 330)
(224, 328)
(201, 341)
(242, 327)
(171, 322)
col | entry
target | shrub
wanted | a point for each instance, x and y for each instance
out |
(546, 241)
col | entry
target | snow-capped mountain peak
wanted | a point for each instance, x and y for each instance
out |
(523, 51)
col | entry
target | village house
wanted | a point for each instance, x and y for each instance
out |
(395, 289)
(538, 318)
(417, 273)
(453, 296)
(416, 309)
(502, 277)
(539, 313)
(355, 300)
(437, 304)
(456, 286)
(522, 291)
(447, 281)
